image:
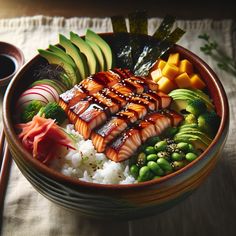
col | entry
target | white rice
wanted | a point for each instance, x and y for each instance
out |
(86, 164)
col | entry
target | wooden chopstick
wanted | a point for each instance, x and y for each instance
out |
(4, 167)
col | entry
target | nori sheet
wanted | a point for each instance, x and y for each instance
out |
(131, 52)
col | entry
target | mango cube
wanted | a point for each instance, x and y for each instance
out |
(159, 65)
(173, 59)
(156, 74)
(170, 71)
(166, 85)
(185, 66)
(183, 81)
(197, 82)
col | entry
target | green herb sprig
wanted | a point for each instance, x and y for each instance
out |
(212, 49)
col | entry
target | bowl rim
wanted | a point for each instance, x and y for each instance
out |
(55, 175)
(4, 81)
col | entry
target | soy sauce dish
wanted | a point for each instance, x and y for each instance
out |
(11, 59)
(115, 129)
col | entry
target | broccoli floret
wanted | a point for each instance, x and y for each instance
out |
(30, 111)
(190, 119)
(209, 122)
(196, 107)
(54, 111)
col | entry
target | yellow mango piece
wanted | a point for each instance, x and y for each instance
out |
(161, 64)
(197, 82)
(166, 85)
(158, 65)
(185, 66)
(170, 71)
(173, 59)
(183, 81)
(156, 74)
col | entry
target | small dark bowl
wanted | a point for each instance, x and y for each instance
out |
(128, 201)
(15, 58)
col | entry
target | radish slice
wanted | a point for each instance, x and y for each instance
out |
(40, 93)
(31, 94)
(48, 89)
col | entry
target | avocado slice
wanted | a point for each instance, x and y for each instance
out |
(53, 58)
(191, 133)
(98, 54)
(61, 53)
(75, 53)
(182, 96)
(87, 51)
(105, 48)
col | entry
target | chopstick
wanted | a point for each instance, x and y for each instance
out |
(5, 164)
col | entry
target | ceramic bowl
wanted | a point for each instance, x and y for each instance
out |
(13, 60)
(117, 201)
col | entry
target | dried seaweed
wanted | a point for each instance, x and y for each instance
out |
(137, 25)
(122, 48)
(132, 52)
(124, 57)
(165, 28)
(138, 22)
(119, 24)
(151, 53)
(147, 59)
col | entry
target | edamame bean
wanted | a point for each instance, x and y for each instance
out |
(190, 156)
(164, 164)
(144, 174)
(183, 146)
(134, 170)
(161, 146)
(152, 157)
(175, 156)
(155, 168)
(150, 150)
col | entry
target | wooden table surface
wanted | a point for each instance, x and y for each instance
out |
(101, 8)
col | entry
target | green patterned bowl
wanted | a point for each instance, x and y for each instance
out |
(117, 201)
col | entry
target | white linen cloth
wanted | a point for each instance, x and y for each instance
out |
(211, 210)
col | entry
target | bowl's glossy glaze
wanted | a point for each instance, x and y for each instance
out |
(117, 201)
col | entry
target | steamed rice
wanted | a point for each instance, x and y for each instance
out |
(86, 164)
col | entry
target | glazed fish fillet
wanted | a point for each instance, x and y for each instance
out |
(138, 107)
(127, 143)
(91, 85)
(96, 109)
(118, 111)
